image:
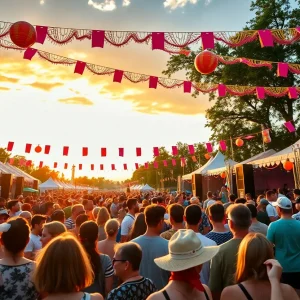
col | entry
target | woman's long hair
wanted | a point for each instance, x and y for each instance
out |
(103, 216)
(88, 234)
(139, 227)
(254, 250)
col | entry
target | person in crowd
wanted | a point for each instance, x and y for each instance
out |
(2, 203)
(223, 265)
(262, 215)
(52, 230)
(220, 234)
(101, 263)
(102, 218)
(76, 210)
(195, 200)
(256, 226)
(95, 213)
(114, 208)
(251, 276)
(64, 276)
(79, 220)
(126, 264)
(47, 210)
(192, 217)
(15, 269)
(249, 199)
(14, 208)
(88, 205)
(179, 199)
(26, 215)
(4, 215)
(34, 243)
(231, 201)
(176, 213)
(139, 227)
(185, 268)
(26, 207)
(58, 215)
(209, 198)
(153, 246)
(121, 216)
(224, 194)
(204, 226)
(296, 193)
(107, 246)
(240, 201)
(280, 192)
(270, 209)
(129, 219)
(285, 235)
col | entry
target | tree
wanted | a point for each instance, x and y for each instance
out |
(233, 116)
(44, 173)
(4, 155)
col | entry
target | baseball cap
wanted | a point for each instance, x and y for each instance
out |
(283, 202)
(296, 192)
(4, 212)
(264, 201)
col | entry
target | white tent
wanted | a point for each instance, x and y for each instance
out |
(261, 155)
(147, 188)
(277, 158)
(50, 184)
(215, 164)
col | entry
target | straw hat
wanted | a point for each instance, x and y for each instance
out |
(185, 252)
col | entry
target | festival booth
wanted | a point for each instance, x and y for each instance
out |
(147, 188)
(50, 184)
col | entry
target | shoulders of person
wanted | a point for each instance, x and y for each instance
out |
(206, 241)
(229, 245)
(167, 234)
(232, 292)
(157, 296)
(288, 291)
(96, 296)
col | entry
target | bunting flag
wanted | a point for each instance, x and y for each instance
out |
(155, 165)
(223, 146)
(47, 149)
(156, 151)
(65, 166)
(103, 152)
(136, 166)
(289, 126)
(92, 167)
(191, 149)
(165, 163)
(65, 151)
(174, 162)
(174, 150)
(121, 152)
(28, 163)
(41, 164)
(22, 162)
(28, 148)
(80, 167)
(183, 162)
(55, 165)
(125, 167)
(101, 167)
(10, 146)
(194, 158)
(11, 161)
(146, 165)
(138, 151)
(85, 151)
(209, 147)
(113, 167)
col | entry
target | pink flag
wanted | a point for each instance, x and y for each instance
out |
(125, 166)
(174, 162)
(208, 41)
(155, 165)
(187, 86)
(191, 149)
(121, 152)
(28, 148)
(158, 41)
(153, 82)
(41, 34)
(223, 146)
(79, 68)
(289, 126)
(265, 38)
(10, 146)
(209, 147)
(165, 163)
(85, 151)
(136, 166)
(156, 151)
(29, 53)
(138, 151)
(118, 75)
(260, 92)
(98, 37)
(183, 161)
(222, 90)
(80, 167)
(11, 161)
(174, 150)
(41, 164)
(282, 69)
(293, 94)
(47, 149)
(146, 165)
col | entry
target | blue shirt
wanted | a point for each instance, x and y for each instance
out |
(220, 237)
(285, 235)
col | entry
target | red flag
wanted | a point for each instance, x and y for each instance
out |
(146, 165)
(10, 146)
(66, 166)
(28, 148)
(66, 151)
(28, 163)
(138, 151)
(101, 167)
(136, 166)
(223, 146)
(113, 167)
(85, 151)
(125, 166)
(80, 167)
(174, 162)
(41, 164)
(22, 162)
(156, 151)
(121, 152)
(174, 150)
(155, 165)
(47, 149)
(55, 165)
(209, 147)
(165, 163)
(103, 152)
(92, 167)
(191, 149)
(11, 161)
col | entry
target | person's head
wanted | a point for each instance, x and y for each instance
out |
(127, 259)
(89, 205)
(77, 209)
(154, 216)
(271, 196)
(239, 218)
(145, 203)
(254, 250)
(95, 213)
(296, 193)
(139, 226)
(26, 207)
(216, 213)
(297, 203)
(58, 215)
(179, 199)
(62, 267)
(49, 208)
(132, 205)
(111, 228)
(209, 195)
(192, 215)
(115, 200)
(52, 230)
(121, 214)
(13, 206)
(232, 198)
(253, 210)
(37, 223)
(195, 200)
(176, 213)
(248, 196)
(26, 215)
(240, 201)
(80, 220)
(103, 216)
(3, 216)
(284, 206)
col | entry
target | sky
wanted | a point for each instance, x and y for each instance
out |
(48, 104)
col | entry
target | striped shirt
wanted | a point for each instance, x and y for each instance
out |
(70, 224)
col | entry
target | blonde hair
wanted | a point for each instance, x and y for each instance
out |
(62, 267)
(103, 216)
(111, 227)
(254, 250)
(55, 228)
(95, 212)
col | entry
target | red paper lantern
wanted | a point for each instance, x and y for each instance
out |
(207, 156)
(38, 149)
(223, 175)
(239, 142)
(288, 165)
(22, 34)
(206, 62)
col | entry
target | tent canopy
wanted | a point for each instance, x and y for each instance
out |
(146, 188)
(30, 190)
(50, 184)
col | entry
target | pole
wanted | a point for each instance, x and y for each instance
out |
(232, 151)
(263, 142)
(73, 175)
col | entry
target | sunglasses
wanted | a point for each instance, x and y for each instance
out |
(115, 260)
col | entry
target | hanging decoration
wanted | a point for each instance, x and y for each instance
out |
(288, 165)
(239, 142)
(266, 136)
(22, 34)
(207, 156)
(223, 175)
(206, 62)
(38, 149)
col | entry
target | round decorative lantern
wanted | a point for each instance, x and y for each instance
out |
(206, 62)
(207, 156)
(22, 34)
(288, 165)
(239, 142)
(38, 149)
(223, 175)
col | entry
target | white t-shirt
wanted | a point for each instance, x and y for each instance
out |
(127, 224)
(271, 210)
(34, 243)
(206, 242)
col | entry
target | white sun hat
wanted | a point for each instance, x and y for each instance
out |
(185, 251)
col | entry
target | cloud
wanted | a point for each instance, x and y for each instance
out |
(8, 79)
(76, 101)
(45, 86)
(126, 2)
(173, 4)
(2, 88)
(107, 5)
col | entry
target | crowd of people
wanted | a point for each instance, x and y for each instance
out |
(63, 245)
